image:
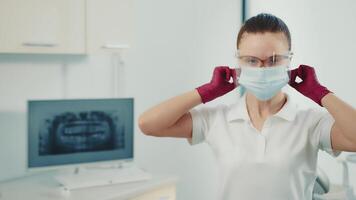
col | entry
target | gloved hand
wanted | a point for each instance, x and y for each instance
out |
(310, 86)
(219, 84)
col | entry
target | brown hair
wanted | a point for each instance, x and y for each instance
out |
(262, 23)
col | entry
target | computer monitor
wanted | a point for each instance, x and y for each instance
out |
(77, 131)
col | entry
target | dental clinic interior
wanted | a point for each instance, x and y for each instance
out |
(82, 83)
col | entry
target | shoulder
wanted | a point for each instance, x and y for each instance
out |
(211, 113)
(314, 119)
(211, 109)
(207, 111)
(312, 113)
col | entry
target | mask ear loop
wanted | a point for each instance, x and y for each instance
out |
(240, 89)
(238, 73)
(289, 72)
(237, 68)
(289, 69)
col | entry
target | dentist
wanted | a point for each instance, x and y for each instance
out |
(266, 147)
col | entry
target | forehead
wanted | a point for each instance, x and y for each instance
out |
(263, 44)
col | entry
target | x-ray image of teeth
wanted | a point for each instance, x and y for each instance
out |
(72, 132)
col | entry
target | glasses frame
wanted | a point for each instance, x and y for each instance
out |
(288, 55)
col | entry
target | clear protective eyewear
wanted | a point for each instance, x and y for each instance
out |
(272, 61)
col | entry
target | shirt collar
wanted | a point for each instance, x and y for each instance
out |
(238, 110)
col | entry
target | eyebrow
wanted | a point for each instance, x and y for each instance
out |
(282, 55)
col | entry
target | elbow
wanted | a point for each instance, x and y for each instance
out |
(142, 124)
(353, 148)
(149, 127)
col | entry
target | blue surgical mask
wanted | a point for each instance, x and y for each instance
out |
(264, 82)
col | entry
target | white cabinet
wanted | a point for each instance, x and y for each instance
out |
(42, 26)
(109, 24)
(42, 186)
(166, 192)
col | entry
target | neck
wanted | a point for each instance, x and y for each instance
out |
(263, 109)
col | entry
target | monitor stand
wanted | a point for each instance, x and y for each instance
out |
(115, 165)
(83, 177)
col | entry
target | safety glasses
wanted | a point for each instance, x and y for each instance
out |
(272, 61)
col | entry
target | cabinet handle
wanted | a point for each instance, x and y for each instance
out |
(38, 44)
(164, 197)
(115, 46)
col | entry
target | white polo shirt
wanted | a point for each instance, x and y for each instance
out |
(278, 163)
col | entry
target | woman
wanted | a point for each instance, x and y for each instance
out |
(266, 146)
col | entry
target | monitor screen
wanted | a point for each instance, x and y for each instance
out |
(77, 131)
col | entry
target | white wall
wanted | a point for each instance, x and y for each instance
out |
(323, 36)
(177, 45)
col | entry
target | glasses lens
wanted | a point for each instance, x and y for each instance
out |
(277, 60)
(249, 61)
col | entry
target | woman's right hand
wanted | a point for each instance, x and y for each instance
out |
(219, 85)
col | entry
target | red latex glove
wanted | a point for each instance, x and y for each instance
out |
(219, 84)
(310, 86)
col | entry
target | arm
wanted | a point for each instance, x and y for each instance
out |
(171, 118)
(343, 132)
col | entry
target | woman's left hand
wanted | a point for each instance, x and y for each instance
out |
(310, 86)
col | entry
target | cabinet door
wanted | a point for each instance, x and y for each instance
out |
(42, 26)
(109, 23)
